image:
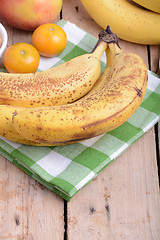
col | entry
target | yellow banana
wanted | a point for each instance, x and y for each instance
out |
(153, 5)
(7, 130)
(128, 21)
(114, 98)
(59, 85)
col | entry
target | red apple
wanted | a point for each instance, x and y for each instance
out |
(29, 14)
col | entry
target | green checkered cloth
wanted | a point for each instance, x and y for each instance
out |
(66, 169)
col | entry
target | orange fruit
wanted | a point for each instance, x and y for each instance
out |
(21, 58)
(49, 39)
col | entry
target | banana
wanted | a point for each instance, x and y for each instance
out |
(59, 85)
(153, 5)
(114, 98)
(7, 130)
(128, 21)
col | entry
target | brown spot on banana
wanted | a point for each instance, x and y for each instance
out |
(139, 91)
(39, 128)
(14, 114)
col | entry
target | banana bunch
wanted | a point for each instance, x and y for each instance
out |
(59, 85)
(115, 96)
(129, 21)
(153, 5)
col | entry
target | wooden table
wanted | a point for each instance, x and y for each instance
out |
(122, 203)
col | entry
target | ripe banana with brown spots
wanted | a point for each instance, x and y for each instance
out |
(56, 86)
(129, 22)
(114, 98)
(153, 5)
(7, 130)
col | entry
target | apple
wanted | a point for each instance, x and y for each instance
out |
(29, 14)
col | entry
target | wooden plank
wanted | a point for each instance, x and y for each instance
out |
(155, 58)
(155, 67)
(157, 137)
(158, 145)
(123, 201)
(27, 209)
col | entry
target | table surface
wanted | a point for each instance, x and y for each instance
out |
(121, 203)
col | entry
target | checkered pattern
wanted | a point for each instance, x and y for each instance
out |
(66, 169)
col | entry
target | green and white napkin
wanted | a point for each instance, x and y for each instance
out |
(66, 169)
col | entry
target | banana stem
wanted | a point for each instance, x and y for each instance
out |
(105, 37)
(108, 36)
(99, 48)
(113, 46)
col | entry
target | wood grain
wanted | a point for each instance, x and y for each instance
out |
(155, 58)
(121, 203)
(27, 209)
(155, 67)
